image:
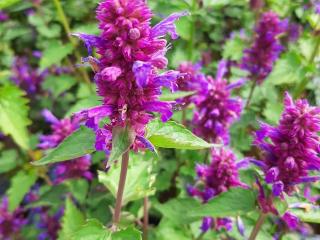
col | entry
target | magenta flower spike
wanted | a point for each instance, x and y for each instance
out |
(126, 74)
(293, 149)
(260, 58)
(216, 110)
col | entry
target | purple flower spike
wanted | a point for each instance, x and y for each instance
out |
(259, 59)
(291, 149)
(3, 16)
(132, 53)
(216, 110)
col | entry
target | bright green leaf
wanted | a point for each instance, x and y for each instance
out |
(20, 185)
(8, 160)
(55, 53)
(273, 111)
(184, 26)
(78, 144)
(92, 230)
(173, 135)
(311, 216)
(233, 49)
(122, 139)
(139, 182)
(8, 3)
(58, 84)
(129, 233)
(14, 114)
(71, 220)
(234, 202)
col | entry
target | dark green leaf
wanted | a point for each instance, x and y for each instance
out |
(122, 139)
(173, 135)
(8, 160)
(20, 185)
(78, 144)
(79, 188)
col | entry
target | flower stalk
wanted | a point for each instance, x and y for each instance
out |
(258, 226)
(121, 185)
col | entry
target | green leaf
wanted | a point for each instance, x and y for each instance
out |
(139, 182)
(273, 111)
(8, 160)
(122, 139)
(71, 220)
(92, 230)
(233, 49)
(58, 84)
(184, 26)
(8, 3)
(14, 114)
(234, 202)
(78, 144)
(288, 70)
(129, 233)
(280, 205)
(20, 185)
(169, 96)
(82, 104)
(173, 135)
(311, 215)
(55, 52)
(178, 210)
(79, 188)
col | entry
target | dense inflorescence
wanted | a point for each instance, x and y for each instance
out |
(221, 175)
(293, 149)
(79, 167)
(216, 110)
(49, 225)
(131, 52)
(259, 59)
(10, 222)
(3, 16)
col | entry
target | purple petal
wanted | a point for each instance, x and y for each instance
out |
(277, 188)
(222, 70)
(90, 41)
(272, 175)
(164, 108)
(240, 226)
(168, 79)
(146, 143)
(308, 179)
(236, 84)
(167, 26)
(142, 71)
(49, 117)
(111, 74)
(291, 220)
(207, 223)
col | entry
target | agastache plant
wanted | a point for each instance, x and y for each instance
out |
(126, 74)
(217, 177)
(76, 168)
(216, 110)
(291, 152)
(259, 59)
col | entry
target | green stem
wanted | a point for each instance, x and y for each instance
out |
(145, 218)
(66, 26)
(258, 226)
(192, 30)
(121, 185)
(201, 236)
(254, 84)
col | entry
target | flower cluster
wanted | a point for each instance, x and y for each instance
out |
(221, 175)
(79, 167)
(259, 59)
(49, 225)
(293, 146)
(193, 80)
(10, 222)
(131, 52)
(216, 110)
(27, 77)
